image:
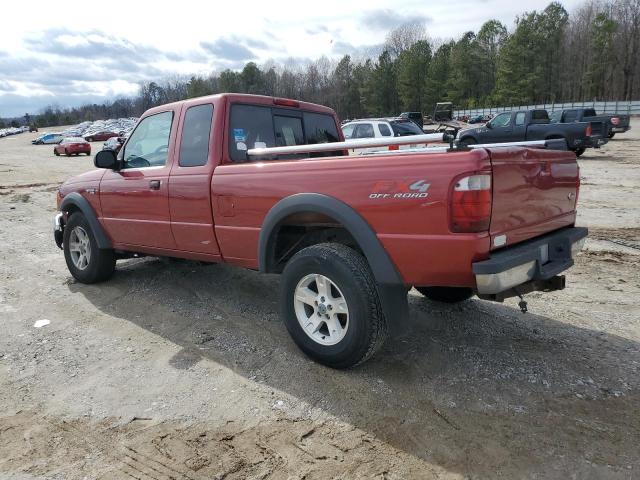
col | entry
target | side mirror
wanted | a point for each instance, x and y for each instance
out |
(106, 159)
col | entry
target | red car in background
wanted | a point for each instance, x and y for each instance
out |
(100, 136)
(72, 146)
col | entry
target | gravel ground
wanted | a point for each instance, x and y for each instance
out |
(178, 370)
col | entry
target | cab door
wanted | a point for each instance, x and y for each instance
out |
(500, 130)
(190, 181)
(135, 199)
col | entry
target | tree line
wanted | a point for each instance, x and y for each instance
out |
(547, 56)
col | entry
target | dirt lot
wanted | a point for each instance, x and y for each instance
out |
(177, 370)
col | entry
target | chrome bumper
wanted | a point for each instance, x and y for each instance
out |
(539, 259)
(58, 229)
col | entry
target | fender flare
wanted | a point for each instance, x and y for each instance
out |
(472, 137)
(78, 201)
(391, 288)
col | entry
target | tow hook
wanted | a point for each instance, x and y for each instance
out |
(522, 304)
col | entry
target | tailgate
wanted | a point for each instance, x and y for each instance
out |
(624, 121)
(534, 192)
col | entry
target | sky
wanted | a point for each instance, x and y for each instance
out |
(70, 53)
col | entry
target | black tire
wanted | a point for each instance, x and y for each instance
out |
(446, 294)
(579, 151)
(55, 152)
(101, 262)
(465, 142)
(611, 134)
(366, 329)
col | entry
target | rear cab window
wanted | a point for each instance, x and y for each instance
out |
(570, 116)
(258, 126)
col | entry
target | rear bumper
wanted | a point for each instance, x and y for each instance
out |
(535, 260)
(620, 129)
(595, 141)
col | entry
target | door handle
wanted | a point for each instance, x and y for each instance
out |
(154, 184)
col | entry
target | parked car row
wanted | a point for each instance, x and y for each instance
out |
(101, 130)
(5, 132)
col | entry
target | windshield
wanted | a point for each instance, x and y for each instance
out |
(402, 128)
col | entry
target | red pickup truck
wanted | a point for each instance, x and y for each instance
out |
(205, 179)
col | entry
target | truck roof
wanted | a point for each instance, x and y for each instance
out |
(247, 98)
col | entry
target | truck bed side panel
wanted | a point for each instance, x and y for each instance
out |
(413, 229)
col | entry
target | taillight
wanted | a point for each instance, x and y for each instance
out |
(471, 204)
(394, 147)
(588, 131)
(615, 120)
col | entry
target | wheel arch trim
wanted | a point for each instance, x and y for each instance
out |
(74, 199)
(391, 288)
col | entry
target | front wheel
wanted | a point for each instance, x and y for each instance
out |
(55, 152)
(579, 151)
(446, 294)
(86, 262)
(329, 304)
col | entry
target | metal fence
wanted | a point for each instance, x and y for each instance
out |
(630, 107)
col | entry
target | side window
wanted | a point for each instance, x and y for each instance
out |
(320, 128)
(364, 130)
(556, 116)
(249, 127)
(347, 131)
(148, 145)
(520, 116)
(385, 131)
(501, 120)
(570, 116)
(288, 131)
(194, 146)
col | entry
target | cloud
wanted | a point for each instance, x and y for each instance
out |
(12, 105)
(386, 19)
(342, 48)
(94, 44)
(316, 29)
(228, 49)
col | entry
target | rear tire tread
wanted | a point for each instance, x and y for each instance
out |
(361, 275)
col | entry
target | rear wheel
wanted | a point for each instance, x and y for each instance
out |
(86, 262)
(611, 134)
(330, 306)
(55, 152)
(446, 294)
(579, 151)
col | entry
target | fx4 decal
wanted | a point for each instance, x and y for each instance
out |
(399, 189)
